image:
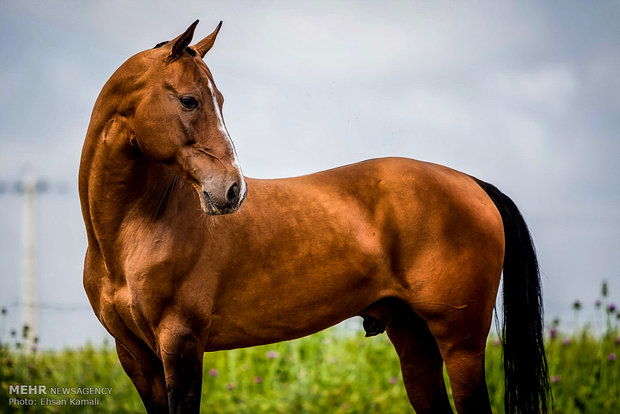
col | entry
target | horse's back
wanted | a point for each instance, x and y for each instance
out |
(404, 189)
(414, 202)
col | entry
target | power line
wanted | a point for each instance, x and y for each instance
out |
(53, 306)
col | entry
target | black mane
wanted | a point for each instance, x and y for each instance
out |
(188, 49)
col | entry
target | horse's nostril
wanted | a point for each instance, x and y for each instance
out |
(232, 196)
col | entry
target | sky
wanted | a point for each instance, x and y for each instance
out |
(522, 94)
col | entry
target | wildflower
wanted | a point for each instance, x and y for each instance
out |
(393, 380)
(230, 387)
(577, 305)
(213, 372)
(611, 308)
(617, 340)
(272, 354)
(496, 342)
(597, 303)
(566, 342)
(555, 379)
(258, 379)
(553, 332)
(611, 357)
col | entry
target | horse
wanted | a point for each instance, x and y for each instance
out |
(186, 255)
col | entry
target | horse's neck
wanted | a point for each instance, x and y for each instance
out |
(127, 195)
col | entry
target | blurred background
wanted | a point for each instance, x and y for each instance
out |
(520, 94)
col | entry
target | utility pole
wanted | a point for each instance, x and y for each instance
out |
(29, 237)
(29, 187)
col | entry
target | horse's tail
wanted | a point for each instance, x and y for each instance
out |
(525, 364)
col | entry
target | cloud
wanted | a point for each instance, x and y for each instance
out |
(548, 88)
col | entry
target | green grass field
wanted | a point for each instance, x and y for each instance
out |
(330, 372)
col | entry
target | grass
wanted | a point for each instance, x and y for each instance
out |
(334, 371)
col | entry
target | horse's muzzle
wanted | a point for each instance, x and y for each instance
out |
(229, 203)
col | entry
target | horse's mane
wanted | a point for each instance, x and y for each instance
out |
(188, 49)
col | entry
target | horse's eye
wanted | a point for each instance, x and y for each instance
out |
(188, 102)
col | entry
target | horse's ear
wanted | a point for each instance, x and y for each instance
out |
(206, 44)
(182, 41)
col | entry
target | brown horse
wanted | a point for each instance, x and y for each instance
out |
(416, 249)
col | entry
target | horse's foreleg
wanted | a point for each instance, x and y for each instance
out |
(182, 359)
(147, 375)
(420, 362)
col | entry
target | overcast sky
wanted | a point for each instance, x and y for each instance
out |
(521, 94)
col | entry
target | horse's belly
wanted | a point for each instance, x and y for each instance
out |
(284, 305)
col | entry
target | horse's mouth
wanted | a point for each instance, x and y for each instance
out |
(207, 204)
(210, 207)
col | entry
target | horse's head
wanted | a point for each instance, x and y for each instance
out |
(178, 121)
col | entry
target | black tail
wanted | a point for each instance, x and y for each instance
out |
(525, 363)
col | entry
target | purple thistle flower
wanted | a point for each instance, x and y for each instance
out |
(496, 342)
(617, 340)
(553, 332)
(258, 379)
(597, 303)
(611, 308)
(393, 380)
(213, 372)
(611, 357)
(566, 342)
(272, 354)
(230, 387)
(555, 379)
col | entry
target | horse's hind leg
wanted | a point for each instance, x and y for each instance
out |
(465, 364)
(147, 376)
(420, 361)
(461, 337)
